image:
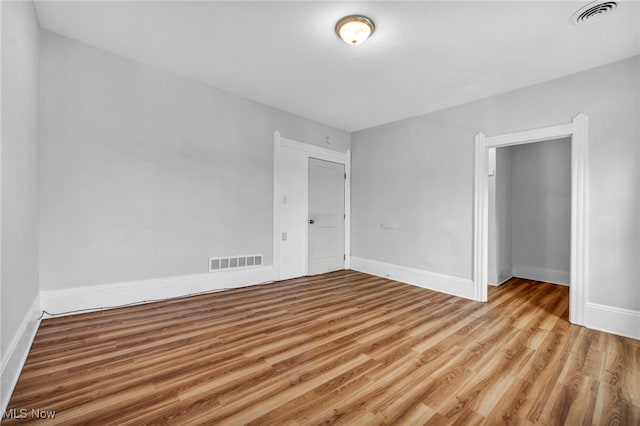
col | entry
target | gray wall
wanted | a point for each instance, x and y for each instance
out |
(19, 165)
(541, 208)
(504, 213)
(145, 174)
(418, 173)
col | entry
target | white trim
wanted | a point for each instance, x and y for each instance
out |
(578, 131)
(503, 276)
(610, 319)
(347, 212)
(275, 253)
(546, 275)
(305, 197)
(481, 219)
(506, 274)
(309, 151)
(579, 280)
(530, 136)
(17, 352)
(98, 297)
(500, 283)
(314, 150)
(429, 280)
(2, 356)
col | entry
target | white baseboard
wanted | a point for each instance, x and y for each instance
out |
(17, 352)
(418, 277)
(541, 274)
(97, 297)
(623, 322)
(503, 276)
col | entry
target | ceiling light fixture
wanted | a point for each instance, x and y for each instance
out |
(354, 29)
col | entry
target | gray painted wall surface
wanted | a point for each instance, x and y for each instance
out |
(19, 165)
(504, 213)
(492, 235)
(145, 174)
(541, 206)
(499, 186)
(418, 173)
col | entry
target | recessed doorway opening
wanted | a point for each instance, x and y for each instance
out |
(577, 131)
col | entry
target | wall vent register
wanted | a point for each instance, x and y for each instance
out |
(234, 262)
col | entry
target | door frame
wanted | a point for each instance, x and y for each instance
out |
(577, 130)
(308, 151)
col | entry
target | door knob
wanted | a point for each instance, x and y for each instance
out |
(311, 221)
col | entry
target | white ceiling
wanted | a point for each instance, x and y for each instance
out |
(424, 56)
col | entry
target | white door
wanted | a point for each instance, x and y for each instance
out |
(326, 216)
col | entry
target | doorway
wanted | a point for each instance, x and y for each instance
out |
(530, 212)
(306, 177)
(577, 131)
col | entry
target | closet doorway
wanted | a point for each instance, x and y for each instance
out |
(577, 132)
(530, 212)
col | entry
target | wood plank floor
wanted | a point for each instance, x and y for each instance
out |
(341, 348)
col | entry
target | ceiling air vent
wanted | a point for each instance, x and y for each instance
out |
(593, 11)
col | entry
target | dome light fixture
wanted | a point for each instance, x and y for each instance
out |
(354, 29)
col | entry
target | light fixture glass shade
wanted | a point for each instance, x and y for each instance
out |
(354, 29)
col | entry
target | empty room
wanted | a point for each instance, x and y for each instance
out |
(308, 212)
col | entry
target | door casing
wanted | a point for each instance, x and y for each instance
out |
(290, 161)
(577, 130)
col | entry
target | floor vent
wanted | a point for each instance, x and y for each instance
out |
(234, 262)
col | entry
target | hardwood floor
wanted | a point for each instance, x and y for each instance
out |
(341, 348)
